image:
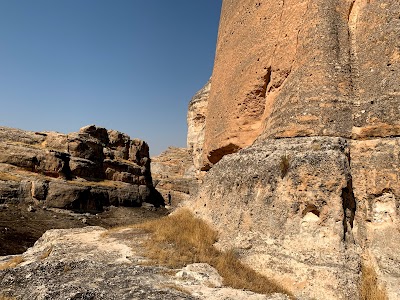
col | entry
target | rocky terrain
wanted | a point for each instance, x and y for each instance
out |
(299, 132)
(90, 263)
(83, 171)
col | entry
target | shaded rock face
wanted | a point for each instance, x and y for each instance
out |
(301, 68)
(87, 170)
(173, 171)
(196, 120)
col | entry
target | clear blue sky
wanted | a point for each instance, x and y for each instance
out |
(129, 65)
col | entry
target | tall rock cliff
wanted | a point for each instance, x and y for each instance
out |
(303, 68)
(310, 91)
(196, 120)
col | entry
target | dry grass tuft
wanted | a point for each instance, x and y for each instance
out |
(2, 297)
(176, 287)
(181, 239)
(369, 287)
(46, 253)
(8, 177)
(284, 165)
(12, 263)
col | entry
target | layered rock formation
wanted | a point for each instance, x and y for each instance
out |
(196, 120)
(173, 171)
(86, 170)
(313, 89)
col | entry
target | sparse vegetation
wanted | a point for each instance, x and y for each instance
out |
(12, 263)
(8, 176)
(3, 297)
(181, 239)
(369, 287)
(46, 253)
(284, 165)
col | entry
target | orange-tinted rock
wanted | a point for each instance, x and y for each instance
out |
(302, 68)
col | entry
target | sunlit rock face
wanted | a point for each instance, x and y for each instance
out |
(301, 68)
(302, 138)
(84, 170)
(196, 120)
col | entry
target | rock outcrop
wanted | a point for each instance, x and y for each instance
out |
(196, 120)
(85, 171)
(173, 171)
(310, 92)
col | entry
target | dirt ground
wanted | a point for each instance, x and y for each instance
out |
(20, 228)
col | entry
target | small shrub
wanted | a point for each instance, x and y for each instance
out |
(369, 288)
(12, 263)
(284, 165)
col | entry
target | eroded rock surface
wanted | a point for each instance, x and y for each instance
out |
(86, 170)
(307, 94)
(303, 68)
(87, 263)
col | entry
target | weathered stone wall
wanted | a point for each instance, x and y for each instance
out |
(303, 68)
(309, 90)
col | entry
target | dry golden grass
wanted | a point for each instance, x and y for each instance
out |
(46, 253)
(284, 165)
(369, 288)
(175, 287)
(12, 263)
(2, 297)
(181, 239)
(8, 176)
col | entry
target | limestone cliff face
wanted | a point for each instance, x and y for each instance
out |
(196, 120)
(303, 68)
(307, 94)
(87, 170)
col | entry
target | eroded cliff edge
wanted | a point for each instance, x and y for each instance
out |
(309, 90)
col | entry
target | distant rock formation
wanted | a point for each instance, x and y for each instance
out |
(305, 97)
(173, 171)
(86, 170)
(196, 120)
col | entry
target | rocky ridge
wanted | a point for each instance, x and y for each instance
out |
(86, 170)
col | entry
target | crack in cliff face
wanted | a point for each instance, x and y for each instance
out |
(349, 206)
